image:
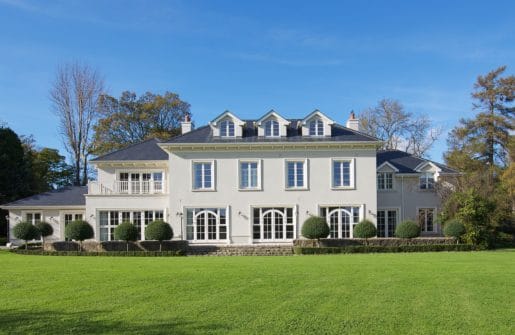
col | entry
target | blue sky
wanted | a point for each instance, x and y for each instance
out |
(249, 57)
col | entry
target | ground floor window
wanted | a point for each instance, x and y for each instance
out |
(341, 219)
(33, 217)
(206, 224)
(426, 219)
(386, 222)
(110, 219)
(273, 223)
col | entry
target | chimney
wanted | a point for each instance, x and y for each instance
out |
(353, 123)
(186, 124)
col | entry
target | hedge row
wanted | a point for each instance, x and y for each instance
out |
(363, 249)
(101, 253)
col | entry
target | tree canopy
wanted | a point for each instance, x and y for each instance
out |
(398, 128)
(131, 119)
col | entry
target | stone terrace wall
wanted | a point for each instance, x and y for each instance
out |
(328, 242)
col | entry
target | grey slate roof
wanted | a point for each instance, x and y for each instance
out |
(405, 162)
(67, 196)
(205, 135)
(144, 151)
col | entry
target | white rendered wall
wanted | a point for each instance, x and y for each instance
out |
(273, 186)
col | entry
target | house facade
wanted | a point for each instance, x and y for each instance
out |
(239, 181)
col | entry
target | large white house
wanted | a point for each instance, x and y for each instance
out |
(239, 181)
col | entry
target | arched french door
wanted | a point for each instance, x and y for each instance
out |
(273, 224)
(205, 226)
(340, 223)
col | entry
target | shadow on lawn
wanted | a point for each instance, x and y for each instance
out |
(94, 322)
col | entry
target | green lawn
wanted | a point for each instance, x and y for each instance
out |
(417, 293)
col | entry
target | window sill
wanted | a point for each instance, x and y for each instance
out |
(296, 189)
(204, 190)
(343, 188)
(250, 189)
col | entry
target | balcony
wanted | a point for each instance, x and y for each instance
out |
(128, 187)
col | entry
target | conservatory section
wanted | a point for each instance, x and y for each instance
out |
(110, 219)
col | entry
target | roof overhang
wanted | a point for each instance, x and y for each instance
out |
(268, 146)
(235, 119)
(421, 166)
(318, 113)
(63, 207)
(274, 114)
(159, 163)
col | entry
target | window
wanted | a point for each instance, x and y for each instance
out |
(271, 128)
(296, 174)
(273, 224)
(426, 219)
(384, 180)
(203, 176)
(342, 174)
(250, 175)
(227, 128)
(110, 219)
(140, 182)
(206, 224)
(427, 181)
(386, 223)
(33, 217)
(341, 220)
(316, 128)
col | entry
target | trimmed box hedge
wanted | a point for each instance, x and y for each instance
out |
(102, 253)
(362, 249)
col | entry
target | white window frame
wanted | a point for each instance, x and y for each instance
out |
(318, 122)
(33, 221)
(271, 122)
(397, 219)
(294, 209)
(361, 216)
(138, 184)
(213, 176)
(259, 174)
(423, 229)
(305, 169)
(384, 174)
(352, 173)
(62, 216)
(225, 126)
(195, 226)
(424, 180)
(120, 212)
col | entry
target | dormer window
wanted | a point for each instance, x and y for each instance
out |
(227, 128)
(316, 127)
(271, 128)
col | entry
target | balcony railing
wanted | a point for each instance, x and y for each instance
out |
(128, 187)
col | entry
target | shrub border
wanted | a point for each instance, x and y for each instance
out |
(363, 249)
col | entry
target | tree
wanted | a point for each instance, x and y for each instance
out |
(126, 231)
(25, 231)
(132, 119)
(45, 229)
(365, 229)
(13, 170)
(79, 231)
(315, 227)
(454, 228)
(398, 128)
(75, 97)
(160, 231)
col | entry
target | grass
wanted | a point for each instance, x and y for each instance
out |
(416, 293)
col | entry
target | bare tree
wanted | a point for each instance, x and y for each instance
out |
(398, 128)
(74, 95)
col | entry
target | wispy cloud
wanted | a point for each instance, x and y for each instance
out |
(290, 61)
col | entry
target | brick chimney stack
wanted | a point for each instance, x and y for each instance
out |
(353, 123)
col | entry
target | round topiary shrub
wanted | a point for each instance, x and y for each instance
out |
(365, 229)
(315, 227)
(45, 229)
(407, 229)
(160, 231)
(126, 231)
(25, 231)
(454, 228)
(79, 231)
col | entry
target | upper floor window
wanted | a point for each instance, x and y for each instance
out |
(250, 175)
(427, 181)
(271, 128)
(384, 180)
(342, 173)
(203, 175)
(296, 176)
(316, 128)
(227, 128)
